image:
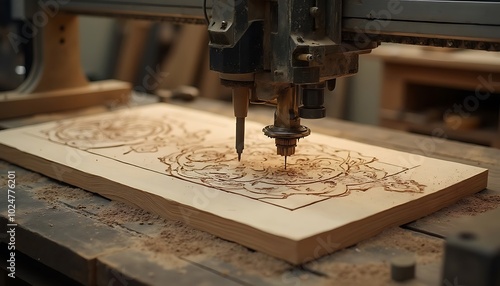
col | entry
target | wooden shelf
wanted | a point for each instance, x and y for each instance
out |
(424, 90)
(482, 136)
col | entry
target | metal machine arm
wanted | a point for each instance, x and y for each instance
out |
(450, 23)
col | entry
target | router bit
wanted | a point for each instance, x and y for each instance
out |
(241, 98)
(286, 129)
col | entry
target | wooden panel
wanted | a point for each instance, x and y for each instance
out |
(393, 89)
(443, 77)
(183, 63)
(181, 164)
(453, 59)
(132, 49)
(109, 92)
(57, 57)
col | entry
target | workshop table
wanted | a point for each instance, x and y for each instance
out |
(68, 236)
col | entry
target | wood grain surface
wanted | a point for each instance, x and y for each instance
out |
(336, 193)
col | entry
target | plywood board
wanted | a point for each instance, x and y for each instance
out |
(180, 163)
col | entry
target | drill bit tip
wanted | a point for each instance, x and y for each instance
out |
(240, 136)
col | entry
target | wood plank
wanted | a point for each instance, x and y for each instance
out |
(136, 33)
(197, 179)
(182, 64)
(106, 92)
(57, 81)
(133, 267)
(458, 59)
(30, 271)
(63, 240)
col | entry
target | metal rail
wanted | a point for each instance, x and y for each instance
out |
(450, 23)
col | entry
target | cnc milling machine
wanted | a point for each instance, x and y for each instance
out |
(280, 52)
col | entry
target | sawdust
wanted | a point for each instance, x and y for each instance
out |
(55, 192)
(175, 234)
(120, 213)
(25, 177)
(178, 239)
(473, 205)
(184, 241)
(376, 269)
(470, 206)
(4, 165)
(426, 249)
(356, 274)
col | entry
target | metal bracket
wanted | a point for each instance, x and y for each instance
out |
(472, 256)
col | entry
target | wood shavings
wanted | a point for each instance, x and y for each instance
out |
(423, 246)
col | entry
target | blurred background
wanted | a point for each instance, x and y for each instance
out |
(410, 88)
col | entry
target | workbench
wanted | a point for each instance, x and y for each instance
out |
(69, 236)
